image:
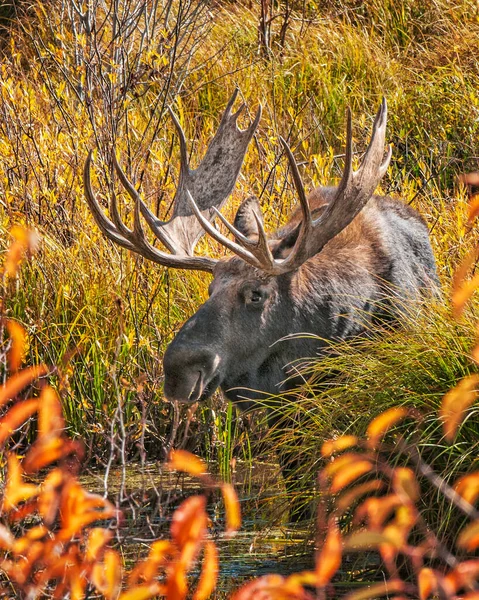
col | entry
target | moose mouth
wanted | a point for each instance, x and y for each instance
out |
(202, 391)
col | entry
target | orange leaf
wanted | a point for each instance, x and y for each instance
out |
(50, 416)
(365, 539)
(377, 510)
(462, 576)
(49, 449)
(15, 417)
(461, 296)
(469, 537)
(98, 538)
(181, 460)
(106, 576)
(16, 489)
(468, 487)
(160, 553)
(427, 582)
(209, 573)
(461, 289)
(340, 462)
(176, 584)
(405, 484)
(329, 559)
(346, 500)
(378, 590)
(342, 443)
(49, 497)
(18, 336)
(382, 423)
(473, 208)
(232, 507)
(25, 240)
(456, 402)
(349, 474)
(188, 527)
(143, 592)
(17, 382)
(79, 508)
(258, 588)
(6, 538)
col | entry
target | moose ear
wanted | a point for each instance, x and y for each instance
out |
(244, 220)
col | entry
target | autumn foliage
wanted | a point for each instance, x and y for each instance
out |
(56, 540)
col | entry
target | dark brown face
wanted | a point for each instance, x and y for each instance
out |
(229, 334)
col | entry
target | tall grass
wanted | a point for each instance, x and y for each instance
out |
(120, 312)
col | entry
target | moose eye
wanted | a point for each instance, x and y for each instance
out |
(254, 297)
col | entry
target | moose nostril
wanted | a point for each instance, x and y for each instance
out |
(188, 373)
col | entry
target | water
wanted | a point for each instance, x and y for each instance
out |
(149, 494)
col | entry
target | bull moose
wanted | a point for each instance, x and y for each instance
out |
(345, 258)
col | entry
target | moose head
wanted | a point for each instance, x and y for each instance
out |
(344, 258)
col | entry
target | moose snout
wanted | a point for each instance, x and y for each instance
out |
(189, 375)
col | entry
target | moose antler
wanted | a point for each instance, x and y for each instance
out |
(211, 183)
(353, 192)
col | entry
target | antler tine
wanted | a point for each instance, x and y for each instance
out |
(219, 237)
(259, 248)
(348, 156)
(154, 223)
(371, 165)
(105, 225)
(298, 183)
(353, 192)
(182, 138)
(115, 215)
(135, 240)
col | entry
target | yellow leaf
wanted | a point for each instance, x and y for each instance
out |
(405, 484)
(381, 424)
(181, 460)
(342, 443)
(232, 508)
(456, 402)
(329, 559)
(350, 473)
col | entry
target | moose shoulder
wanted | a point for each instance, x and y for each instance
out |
(345, 259)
